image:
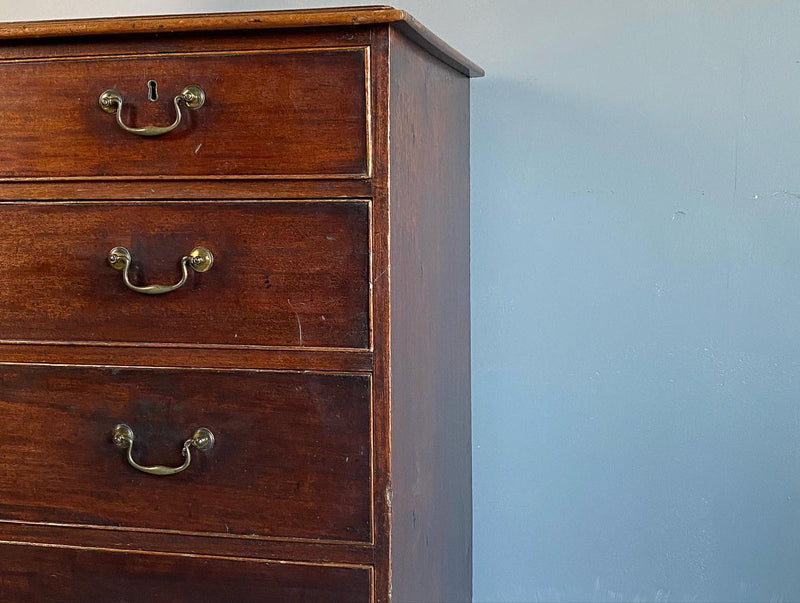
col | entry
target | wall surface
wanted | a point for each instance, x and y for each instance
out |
(636, 291)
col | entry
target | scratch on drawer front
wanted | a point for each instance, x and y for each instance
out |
(197, 149)
(299, 324)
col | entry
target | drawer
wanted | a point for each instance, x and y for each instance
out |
(291, 457)
(267, 114)
(33, 573)
(283, 273)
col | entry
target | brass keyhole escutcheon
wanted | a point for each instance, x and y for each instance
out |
(152, 91)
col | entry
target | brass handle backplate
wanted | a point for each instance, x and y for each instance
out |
(202, 439)
(192, 96)
(199, 259)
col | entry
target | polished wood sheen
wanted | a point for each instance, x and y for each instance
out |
(186, 356)
(291, 458)
(327, 349)
(72, 575)
(267, 114)
(284, 274)
(281, 19)
(430, 351)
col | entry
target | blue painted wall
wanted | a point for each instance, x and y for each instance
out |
(636, 291)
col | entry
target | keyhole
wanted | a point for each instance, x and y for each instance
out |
(152, 90)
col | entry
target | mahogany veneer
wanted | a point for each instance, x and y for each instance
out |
(285, 274)
(270, 112)
(327, 348)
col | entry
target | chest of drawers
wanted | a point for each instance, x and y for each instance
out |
(234, 309)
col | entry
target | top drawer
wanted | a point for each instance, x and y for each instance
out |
(267, 114)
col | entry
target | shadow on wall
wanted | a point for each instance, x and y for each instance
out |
(635, 377)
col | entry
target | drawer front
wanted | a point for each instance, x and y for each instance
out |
(266, 114)
(291, 458)
(283, 274)
(34, 573)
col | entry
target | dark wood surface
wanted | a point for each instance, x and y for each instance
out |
(430, 320)
(188, 356)
(185, 189)
(291, 459)
(200, 543)
(381, 390)
(183, 43)
(37, 573)
(373, 246)
(284, 274)
(267, 114)
(308, 18)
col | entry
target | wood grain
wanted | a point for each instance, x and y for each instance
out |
(284, 274)
(226, 545)
(123, 190)
(192, 356)
(291, 460)
(328, 347)
(382, 269)
(430, 329)
(313, 18)
(38, 573)
(267, 114)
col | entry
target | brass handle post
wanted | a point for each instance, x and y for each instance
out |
(202, 439)
(192, 96)
(199, 259)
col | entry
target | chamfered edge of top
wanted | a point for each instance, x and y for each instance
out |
(243, 21)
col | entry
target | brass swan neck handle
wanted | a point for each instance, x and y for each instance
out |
(199, 259)
(192, 96)
(202, 439)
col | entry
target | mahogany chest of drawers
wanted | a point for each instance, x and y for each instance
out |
(234, 309)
